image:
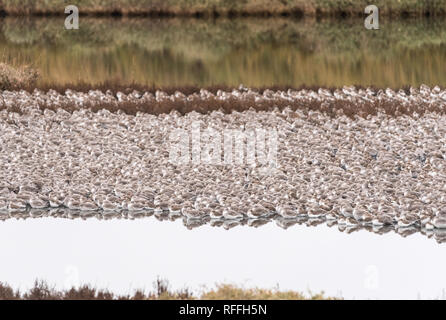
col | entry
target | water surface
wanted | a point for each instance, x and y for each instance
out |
(255, 52)
(122, 255)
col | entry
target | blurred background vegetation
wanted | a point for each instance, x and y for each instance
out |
(224, 7)
(252, 51)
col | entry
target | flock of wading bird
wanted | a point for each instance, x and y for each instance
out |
(357, 158)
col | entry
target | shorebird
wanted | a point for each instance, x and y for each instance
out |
(38, 203)
(407, 220)
(216, 213)
(382, 220)
(109, 206)
(174, 208)
(359, 213)
(314, 211)
(135, 206)
(372, 167)
(88, 206)
(439, 222)
(55, 200)
(3, 205)
(191, 213)
(231, 214)
(16, 204)
(346, 210)
(257, 211)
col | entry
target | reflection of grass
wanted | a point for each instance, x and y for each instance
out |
(42, 291)
(255, 52)
(223, 7)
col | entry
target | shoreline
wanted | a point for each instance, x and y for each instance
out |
(219, 8)
(345, 226)
(294, 14)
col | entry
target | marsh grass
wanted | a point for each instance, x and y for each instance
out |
(161, 291)
(12, 78)
(196, 103)
(213, 8)
(233, 292)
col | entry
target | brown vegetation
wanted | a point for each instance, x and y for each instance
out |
(346, 105)
(12, 78)
(231, 292)
(42, 291)
(25, 78)
(326, 52)
(216, 8)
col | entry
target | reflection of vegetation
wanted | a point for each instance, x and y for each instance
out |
(255, 52)
(211, 7)
(42, 291)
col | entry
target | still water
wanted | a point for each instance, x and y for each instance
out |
(122, 255)
(254, 52)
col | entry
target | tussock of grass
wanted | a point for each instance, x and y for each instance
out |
(161, 291)
(12, 78)
(233, 292)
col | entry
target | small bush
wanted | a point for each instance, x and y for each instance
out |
(7, 293)
(16, 78)
(41, 291)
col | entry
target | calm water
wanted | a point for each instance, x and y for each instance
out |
(255, 52)
(122, 255)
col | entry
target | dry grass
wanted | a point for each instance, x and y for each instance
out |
(24, 78)
(17, 77)
(161, 291)
(215, 8)
(43, 291)
(232, 292)
(196, 103)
